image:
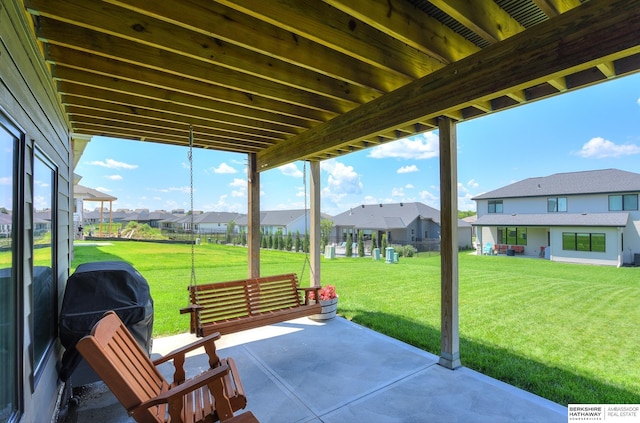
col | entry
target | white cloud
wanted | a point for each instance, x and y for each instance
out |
(114, 177)
(397, 192)
(408, 169)
(241, 188)
(291, 169)
(599, 148)
(103, 189)
(472, 184)
(638, 101)
(342, 179)
(224, 169)
(239, 182)
(423, 146)
(409, 186)
(112, 164)
(5, 180)
(175, 189)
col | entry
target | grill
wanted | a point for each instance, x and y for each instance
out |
(92, 290)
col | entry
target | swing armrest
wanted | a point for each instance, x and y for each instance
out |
(193, 310)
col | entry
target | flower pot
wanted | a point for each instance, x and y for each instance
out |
(329, 308)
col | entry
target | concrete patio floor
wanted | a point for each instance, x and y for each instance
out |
(338, 371)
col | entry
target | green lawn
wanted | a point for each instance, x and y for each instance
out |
(566, 332)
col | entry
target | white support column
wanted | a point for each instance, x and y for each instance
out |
(253, 216)
(315, 235)
(450, 335)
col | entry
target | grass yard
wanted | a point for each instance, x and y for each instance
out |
(566, 332)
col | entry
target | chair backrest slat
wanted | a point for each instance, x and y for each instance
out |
(122, 364)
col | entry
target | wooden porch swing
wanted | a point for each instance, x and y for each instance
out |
(233, 306)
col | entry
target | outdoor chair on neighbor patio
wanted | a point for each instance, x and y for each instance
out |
(487, 250)
(137, 383)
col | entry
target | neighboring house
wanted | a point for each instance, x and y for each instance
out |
(215, 222)
(82, 195)
(285, 221)
(403, 223)
(582, 217)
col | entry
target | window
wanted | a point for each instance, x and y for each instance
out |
(512, 236)
(623, 202)
(9, 278)
(44, 292)
(556, 204)
(495, 206)
(582, 241)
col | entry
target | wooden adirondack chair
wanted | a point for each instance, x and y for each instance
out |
(133, 378)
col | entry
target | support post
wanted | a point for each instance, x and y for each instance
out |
(450, 335)
(315, 227)
(253, 216)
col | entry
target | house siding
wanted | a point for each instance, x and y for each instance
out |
(622, 243)
(27, 98)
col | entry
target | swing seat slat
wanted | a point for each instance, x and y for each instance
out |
(233, 306)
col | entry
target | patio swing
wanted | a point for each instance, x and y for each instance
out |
(227, 307)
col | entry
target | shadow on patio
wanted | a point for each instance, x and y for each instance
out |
(304, 371)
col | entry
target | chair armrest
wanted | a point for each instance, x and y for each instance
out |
(175, 394)
(188, 348)
(178, 356)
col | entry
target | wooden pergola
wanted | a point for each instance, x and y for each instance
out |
(286, 80)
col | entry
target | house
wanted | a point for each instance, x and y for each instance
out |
(159, 73)
(274, 221)
(580, 217)
(403, 223)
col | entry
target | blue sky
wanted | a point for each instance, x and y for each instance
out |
(591, 128)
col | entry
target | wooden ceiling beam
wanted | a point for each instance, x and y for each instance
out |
(324, 24)
(132, 134)
(409, 25)
(63, 57)
(146, 30)
(553, 8)
(155, 131)
(86, 113)
(106, 45)
(222, 23)
(593, 33)
(127, 103)
(123, 86)
(485, 18)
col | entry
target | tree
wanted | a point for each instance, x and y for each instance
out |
(349, 250)
(383, 244)
(264, 239)
(326, 226)
(289, 242)
(270, 241)
(280, 240)
(374, 243)
(360, 243)
(298, 242)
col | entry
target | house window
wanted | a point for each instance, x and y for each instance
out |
(583, 241)
(513, 236)
(495, 206)
(556, 204)
(44, 292)
(9, 213)
(623, 202)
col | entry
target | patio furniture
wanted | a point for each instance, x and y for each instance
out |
(487, 249)
(228, 307)
(137, 383)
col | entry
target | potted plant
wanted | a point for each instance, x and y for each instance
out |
(328, 300)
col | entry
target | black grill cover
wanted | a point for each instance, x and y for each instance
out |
(92, 290)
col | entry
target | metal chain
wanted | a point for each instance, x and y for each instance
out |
(192, 281)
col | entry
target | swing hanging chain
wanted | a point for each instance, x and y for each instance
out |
(306, 226)
(192, 281)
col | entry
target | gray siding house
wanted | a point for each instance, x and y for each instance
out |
(580, 217)
(404, 223)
